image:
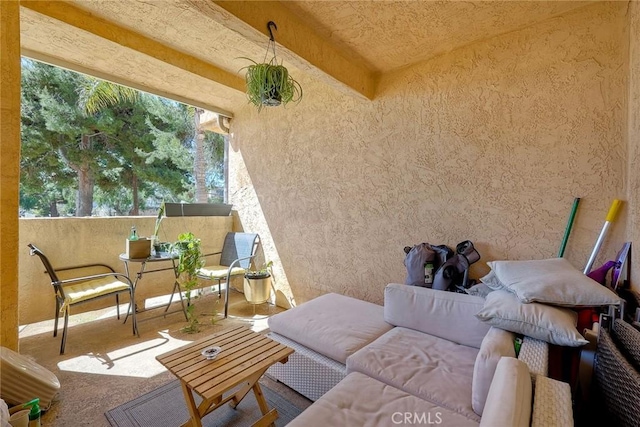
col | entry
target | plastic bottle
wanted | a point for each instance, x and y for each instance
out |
(134, 234)
(428, 273)
(34, 414)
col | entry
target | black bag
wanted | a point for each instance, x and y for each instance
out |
(422, 261)
(438, 267)
(455, 272)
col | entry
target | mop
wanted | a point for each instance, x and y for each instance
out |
(611, 216)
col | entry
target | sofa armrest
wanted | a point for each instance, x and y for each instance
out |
(446, 315)
(509, 399)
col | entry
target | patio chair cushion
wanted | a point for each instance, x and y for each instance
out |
(334, 325)
(219, 271)
(90, 289)
(431, 368)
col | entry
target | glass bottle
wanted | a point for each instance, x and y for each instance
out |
(134, 234)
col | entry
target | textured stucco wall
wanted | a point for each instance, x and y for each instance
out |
(78, 241)
(634, 140)
(9, 169)
(490, 143)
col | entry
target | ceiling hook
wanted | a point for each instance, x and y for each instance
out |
(269, 24)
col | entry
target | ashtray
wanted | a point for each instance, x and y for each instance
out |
(211, 352)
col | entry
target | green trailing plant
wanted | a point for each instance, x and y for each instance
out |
(190, 260)
(269, 83)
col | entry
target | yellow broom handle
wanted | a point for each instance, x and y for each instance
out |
(613, 210)
(611, 216)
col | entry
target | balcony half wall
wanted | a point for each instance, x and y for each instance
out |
(73, 241)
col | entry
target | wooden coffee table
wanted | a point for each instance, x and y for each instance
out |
(244, 358)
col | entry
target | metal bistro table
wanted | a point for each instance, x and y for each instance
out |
(163, 257)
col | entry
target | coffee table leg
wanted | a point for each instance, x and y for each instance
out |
(191, 406)
(269, 416)
(248, 385)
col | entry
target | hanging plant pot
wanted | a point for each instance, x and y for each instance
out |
(269, 83)
(272, 99)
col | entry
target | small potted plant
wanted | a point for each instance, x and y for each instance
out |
(269, 83)
(159, 246)
(257, 284)
(190, 260)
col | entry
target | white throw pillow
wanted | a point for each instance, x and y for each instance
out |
(547, 323)
(551, 281)
(496, 344)
(491, 280)
(509, 400)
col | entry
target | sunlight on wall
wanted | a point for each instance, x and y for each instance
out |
(250, 217)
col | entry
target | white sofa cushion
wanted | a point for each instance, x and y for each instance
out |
(446, 315)
(333, 325)
(544, 322)
(426, 366)
(509, 401)
(496, 344)
(551, 281)
(362, 401)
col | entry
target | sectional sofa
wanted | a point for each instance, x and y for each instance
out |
(422, 358)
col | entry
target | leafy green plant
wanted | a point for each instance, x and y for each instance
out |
(190, 260)
(270, 84)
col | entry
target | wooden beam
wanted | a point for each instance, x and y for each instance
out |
(306, 50)
(51, 60)
(9, 170)
(79, 18)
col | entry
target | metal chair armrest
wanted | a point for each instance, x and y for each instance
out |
(78, 267)
(226, 295)
(211, 254)
(235, 262)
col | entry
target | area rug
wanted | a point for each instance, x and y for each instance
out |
(165, 406)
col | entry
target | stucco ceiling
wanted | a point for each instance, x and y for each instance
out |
(371, 37)
(387, 35)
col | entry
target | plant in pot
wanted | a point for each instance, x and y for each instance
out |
(257, 284)
(190, 260)
(269, 83)
(159, 246)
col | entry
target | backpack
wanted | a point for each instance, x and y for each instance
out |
(419, 257)
(438, 267)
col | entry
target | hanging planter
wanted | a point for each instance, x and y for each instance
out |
(269, 83)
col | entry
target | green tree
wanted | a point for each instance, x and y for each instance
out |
(121, 150)
(137, 175)
(59, 143)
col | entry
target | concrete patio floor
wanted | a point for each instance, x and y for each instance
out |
(105, 365)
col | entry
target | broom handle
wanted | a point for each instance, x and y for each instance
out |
(611, 216)
(567, 230)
